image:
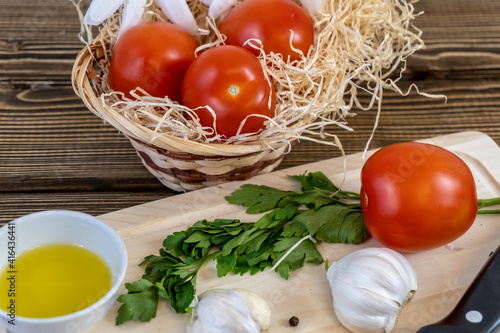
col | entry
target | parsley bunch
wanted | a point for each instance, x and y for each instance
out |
(320, 210)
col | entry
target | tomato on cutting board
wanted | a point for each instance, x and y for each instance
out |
(271, 22)
(232, 82)
(153, 56)
(417, 196)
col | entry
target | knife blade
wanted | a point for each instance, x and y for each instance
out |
(478, 311)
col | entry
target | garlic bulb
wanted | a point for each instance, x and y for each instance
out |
(229, 311)
(369, 288)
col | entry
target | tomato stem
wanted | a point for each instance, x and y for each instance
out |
(481, 203)
(487, 202)
(489, 211)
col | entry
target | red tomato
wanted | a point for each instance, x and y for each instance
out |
(270, 21)
(232, 82)
(153, 56)
(417, 196)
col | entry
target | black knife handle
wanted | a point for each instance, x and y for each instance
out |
(478, 311)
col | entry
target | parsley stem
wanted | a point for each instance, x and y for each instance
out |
(199, 264)
(354, 195)
(208, 258)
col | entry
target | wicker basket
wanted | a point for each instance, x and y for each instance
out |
(358, 41)
(179, 164)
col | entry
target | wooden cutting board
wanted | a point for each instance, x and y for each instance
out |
(443, 274)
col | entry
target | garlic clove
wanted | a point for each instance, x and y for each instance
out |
(219, 7)
(227, 311)
(100, 10)
(179, 13)
(259, 309)
(369, 288)
(132, 14)
(312, 6)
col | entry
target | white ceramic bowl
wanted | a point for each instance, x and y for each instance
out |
(70, 227)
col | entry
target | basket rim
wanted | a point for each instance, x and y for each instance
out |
(83, 66)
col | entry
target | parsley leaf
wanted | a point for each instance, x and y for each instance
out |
(305, 252)
(315, 180)
(226, 263)
(333, 224)
(258, 198)
(140, 302)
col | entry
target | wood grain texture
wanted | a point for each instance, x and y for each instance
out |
(96, 201)
(51, 146)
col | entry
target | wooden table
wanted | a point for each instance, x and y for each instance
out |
(55, 154)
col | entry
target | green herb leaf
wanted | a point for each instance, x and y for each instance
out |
(184, 295)
(315, 180)
(353, 229)
(140, 302)
(333, 224)
(248, 263)
(175, 242)
(305, 252)
(226, 263)
(276, 218)
(258, 198)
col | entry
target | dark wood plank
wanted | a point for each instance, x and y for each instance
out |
(50, 141)
(462, 38)
(14, 205)
(38, 42)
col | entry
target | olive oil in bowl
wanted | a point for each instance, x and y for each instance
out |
(53, 280)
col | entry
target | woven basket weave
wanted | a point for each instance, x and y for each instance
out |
(181, 165)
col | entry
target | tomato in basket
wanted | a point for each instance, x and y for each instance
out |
(232, 82)
(416, 196)
(153, 56)
(271, 22)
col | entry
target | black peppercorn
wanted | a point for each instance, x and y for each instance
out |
(294, 321)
